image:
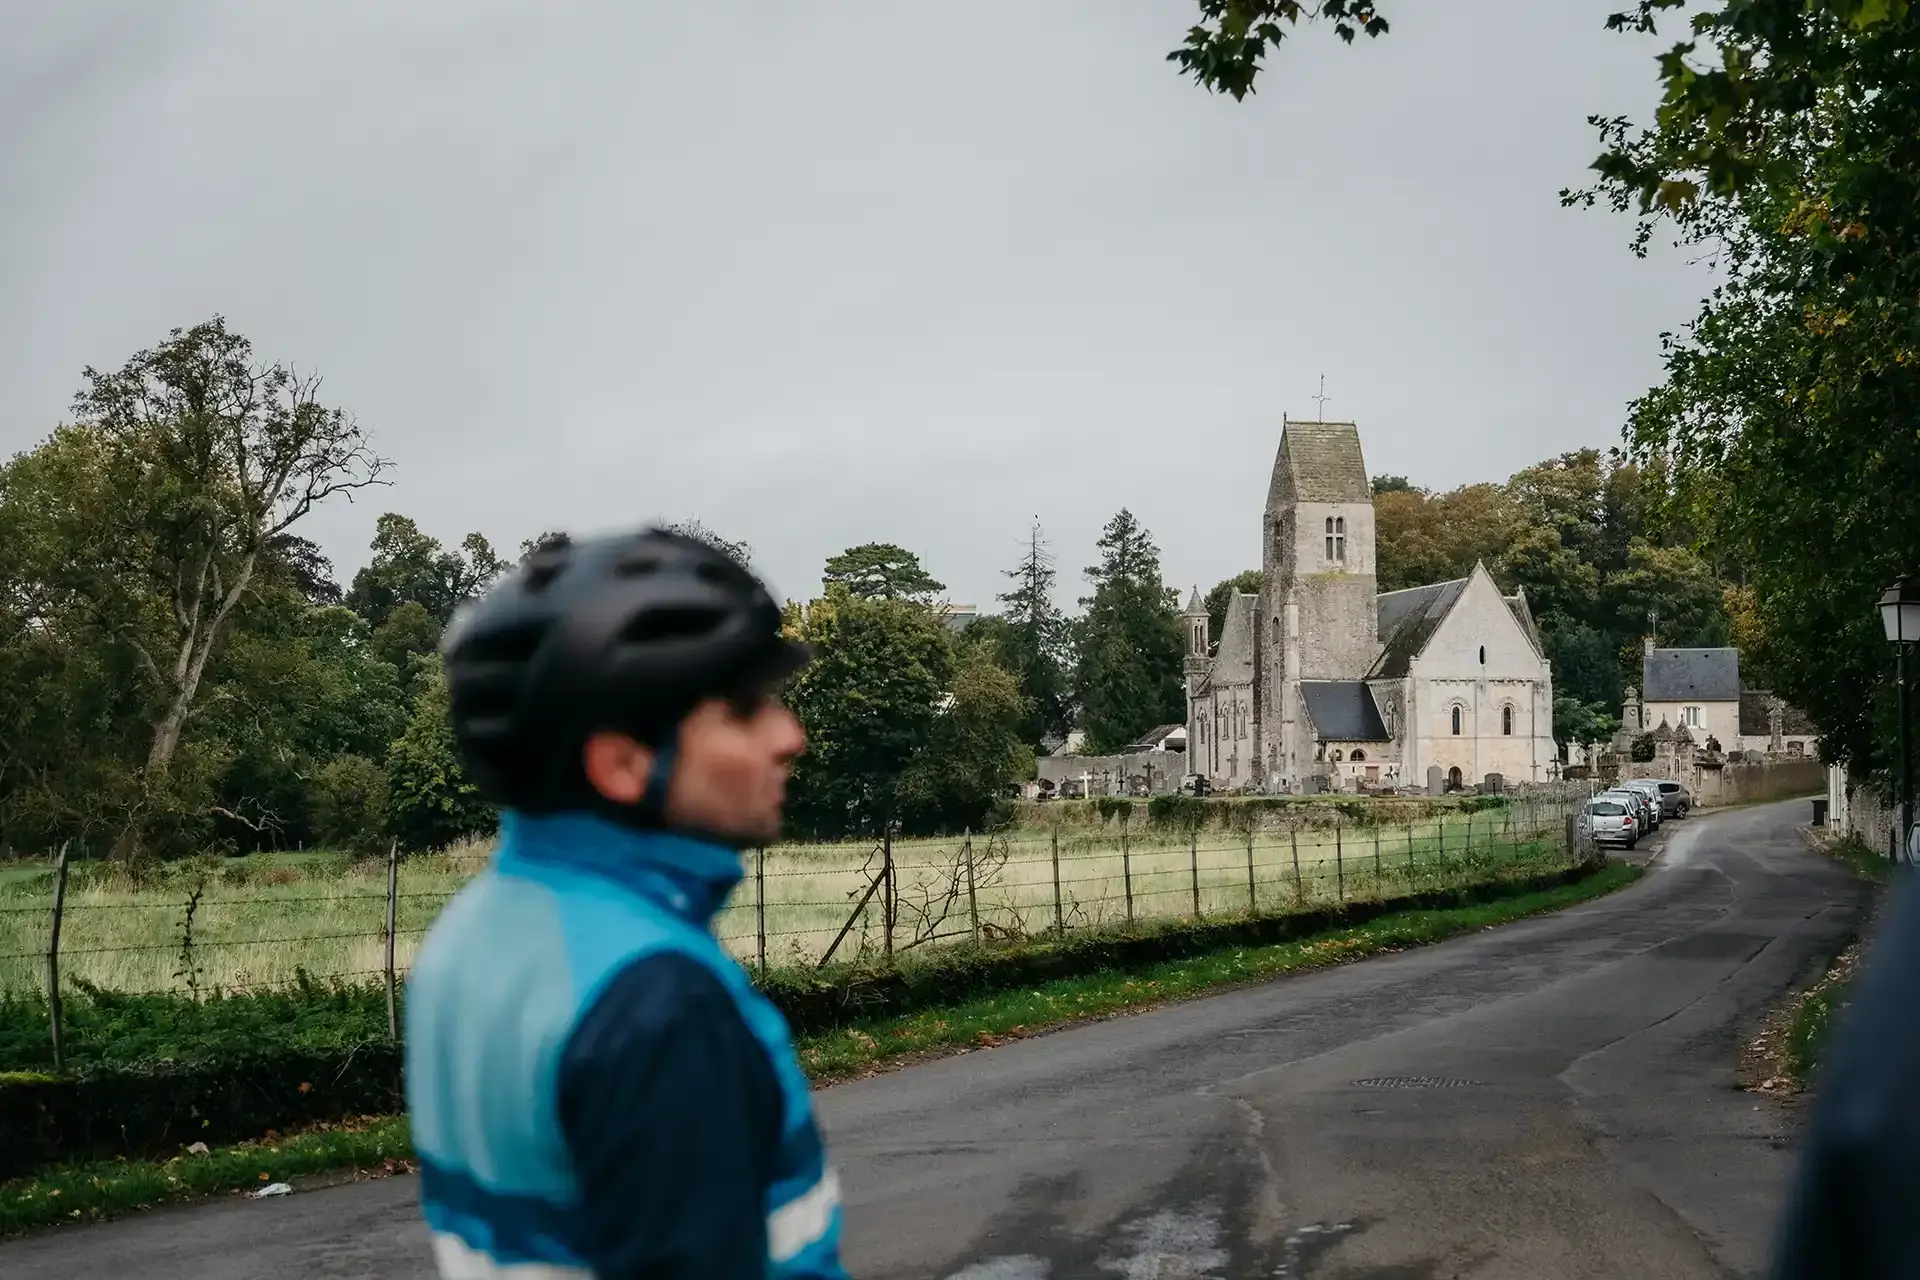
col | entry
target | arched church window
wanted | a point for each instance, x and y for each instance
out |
(1506, 720)
(1358, 755)
(1456, 722)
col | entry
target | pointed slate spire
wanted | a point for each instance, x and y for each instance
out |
(1196, 607)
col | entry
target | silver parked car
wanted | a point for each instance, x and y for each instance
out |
(1675, 799)
(1651, 790)
(1611, 820)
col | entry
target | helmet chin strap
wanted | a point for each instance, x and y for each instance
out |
(652, 809)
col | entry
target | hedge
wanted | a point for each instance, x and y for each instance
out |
(161, 1108)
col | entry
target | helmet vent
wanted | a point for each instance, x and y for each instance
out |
(509, 644)
(672, 623)
(637, 565)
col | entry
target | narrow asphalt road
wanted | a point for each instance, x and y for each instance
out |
(1550, 1099)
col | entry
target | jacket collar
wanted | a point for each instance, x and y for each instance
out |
(690, 877)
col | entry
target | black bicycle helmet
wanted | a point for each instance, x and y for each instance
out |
(627, 633)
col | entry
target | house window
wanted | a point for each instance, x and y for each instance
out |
(1456, 722)
(1357, 755)
(1506, 720)
(1690, 716)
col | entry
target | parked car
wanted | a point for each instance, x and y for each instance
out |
(1638, 802)
(1675, 799)
(1651, 790)
(1611, 820)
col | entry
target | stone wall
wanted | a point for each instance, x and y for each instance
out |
(1109, 775)
(1857, 810)
(1777, 778)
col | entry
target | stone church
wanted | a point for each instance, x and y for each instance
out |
(1320, 676)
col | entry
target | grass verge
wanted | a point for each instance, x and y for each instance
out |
(101, 1189)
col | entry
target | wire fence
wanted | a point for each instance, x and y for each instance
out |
(798, 905)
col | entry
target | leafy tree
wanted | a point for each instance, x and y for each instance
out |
(881, 571)
(163, 507)
(1581, 724)
(1783, 141)
(868, 702)
(740, 552)
(409, 565)
(351, 804)
(431, 803)
(1247, 582)
(1030, 640)
(1586, 663)
(1675, 587)
(408, 631)
(1129, 642)
(1225, 49)
(1391, 484)
(975, 752)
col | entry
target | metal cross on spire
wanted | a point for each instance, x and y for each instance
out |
(1322, 398)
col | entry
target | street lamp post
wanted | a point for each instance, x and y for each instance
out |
(1900, 618)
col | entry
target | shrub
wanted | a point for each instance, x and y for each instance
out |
(1183, 812)
(350, 803)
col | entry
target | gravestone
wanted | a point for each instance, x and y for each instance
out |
(1495, 784)
(1436, 780)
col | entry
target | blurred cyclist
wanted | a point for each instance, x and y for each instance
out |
(595, 1087)
(1852, 1215)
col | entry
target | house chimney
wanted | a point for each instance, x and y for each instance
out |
(1647, 644)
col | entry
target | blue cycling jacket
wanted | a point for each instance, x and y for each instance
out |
(596, 1089)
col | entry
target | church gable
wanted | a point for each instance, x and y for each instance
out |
(1233, 660)
(1318, 462)
(1478, 618)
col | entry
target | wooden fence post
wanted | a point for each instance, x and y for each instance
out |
(1253, 898)
(1299, 885)
(1339, 864)
(1379, 886)
(393, 918)
(1059, 919)
(760, 904)
(887, 901)
(1193, 857)
(973, 903)
(53, 956)
(1413, 877)
(1126, 862)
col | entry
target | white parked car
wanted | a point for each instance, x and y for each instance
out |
(1636, 801)
(1612, 820)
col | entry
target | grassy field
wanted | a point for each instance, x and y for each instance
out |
(260, 922)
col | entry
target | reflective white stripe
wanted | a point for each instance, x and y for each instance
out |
(803, 1219)
(458, 1260)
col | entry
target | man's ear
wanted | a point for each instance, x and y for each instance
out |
(617, 766)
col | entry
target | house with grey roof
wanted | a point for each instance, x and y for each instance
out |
(1701, 691)
(1319, 679)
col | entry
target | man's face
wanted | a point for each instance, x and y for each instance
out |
(729, 778)
(731, 775)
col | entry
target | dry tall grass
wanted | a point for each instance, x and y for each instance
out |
(259, 922)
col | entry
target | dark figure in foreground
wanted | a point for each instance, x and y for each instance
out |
(595, 1087)
(1854, 1214)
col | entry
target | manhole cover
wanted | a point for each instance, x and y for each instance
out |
(1414, 1082)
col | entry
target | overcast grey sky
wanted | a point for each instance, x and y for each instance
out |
(827, 273)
